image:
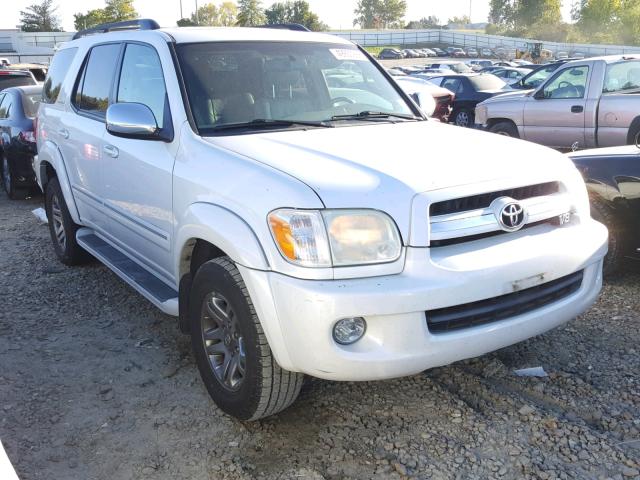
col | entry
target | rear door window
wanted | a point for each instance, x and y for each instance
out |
(96, 79)
(56, 74)
(622, 76)
(5, 106)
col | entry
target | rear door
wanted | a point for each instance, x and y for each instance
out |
(80, 130)
(138, 173)
(555, 115)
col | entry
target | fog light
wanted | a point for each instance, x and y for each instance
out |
(349, 330)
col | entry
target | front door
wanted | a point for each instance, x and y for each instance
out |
(555, 115)
(137, 174)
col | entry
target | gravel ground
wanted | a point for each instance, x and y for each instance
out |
(95, 383)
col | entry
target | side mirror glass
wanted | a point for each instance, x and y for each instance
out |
(132, 120)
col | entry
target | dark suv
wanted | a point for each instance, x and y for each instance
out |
(390, 54)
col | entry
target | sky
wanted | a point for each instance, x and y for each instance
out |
(338, 14)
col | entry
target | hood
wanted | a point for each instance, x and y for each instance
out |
(384, 166)
(506, 96)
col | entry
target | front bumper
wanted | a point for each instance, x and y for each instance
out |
(298, 315)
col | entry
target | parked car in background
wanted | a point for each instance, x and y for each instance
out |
(469, 90)
(584, 104)
(4, 62)
(477, 65)
(390, 54)
(612, 176)
(562, 55)
(292, 227)
(38, 71)
(18, 108)
(472, 52)
(439, 52)
(409, 69)
(492, 68)
(16, 78)
(411, 53)
(578, 55)
(453, 65)
(486, 52)
(534, 78)
(458, 53)
(509, 74)
(429, 52)
(442, 98)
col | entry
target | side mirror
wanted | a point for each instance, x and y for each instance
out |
(425, 101)
(539, 95)
(132, 120)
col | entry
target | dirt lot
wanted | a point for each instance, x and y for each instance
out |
(97, 384)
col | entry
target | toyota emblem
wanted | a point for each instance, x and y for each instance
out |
(509, 213)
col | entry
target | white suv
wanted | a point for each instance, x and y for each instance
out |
(298, 225)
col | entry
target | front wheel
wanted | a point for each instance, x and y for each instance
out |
(613, 261)
(506, 129)
(463, 118)
(231, 349)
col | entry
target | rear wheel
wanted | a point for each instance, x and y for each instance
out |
(62, 227)
(463, 118)
(231, 349)
(507, 129)
(633, 136)
(8, 182)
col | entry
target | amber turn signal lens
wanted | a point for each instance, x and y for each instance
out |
(283, 236)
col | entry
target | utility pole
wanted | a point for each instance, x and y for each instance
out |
(469, 11)
(181, 17)
(197, 19)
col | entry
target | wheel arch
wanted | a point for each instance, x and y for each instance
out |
(634, 131)
(51, 164)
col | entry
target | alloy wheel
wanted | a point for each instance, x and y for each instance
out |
(462, 119)
(223, 341)
(58, 225)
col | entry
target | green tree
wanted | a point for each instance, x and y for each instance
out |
(114, 11)
(206, 15)
(379, 13)
(186, 22)
(461, 20)
(40, 18)
(250, 13)
(425, 22)
(119, 10)
(228, 13)
(502, 13)
(294, 12)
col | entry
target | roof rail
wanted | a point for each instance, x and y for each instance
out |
(286, 26)
(139, 24)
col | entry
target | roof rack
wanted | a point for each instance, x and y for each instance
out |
(286, 26)
(139, 24)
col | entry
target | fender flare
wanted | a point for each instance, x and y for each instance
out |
(48, 152)
(223, 228)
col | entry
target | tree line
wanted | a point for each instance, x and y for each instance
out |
(42, 17)
(593, 21)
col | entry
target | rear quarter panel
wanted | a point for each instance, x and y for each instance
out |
(615, 115)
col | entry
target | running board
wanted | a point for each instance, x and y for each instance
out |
(156, 291)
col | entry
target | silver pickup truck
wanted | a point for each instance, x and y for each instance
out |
(584, 104)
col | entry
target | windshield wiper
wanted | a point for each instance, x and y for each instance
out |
(368, 114)
(258, 123)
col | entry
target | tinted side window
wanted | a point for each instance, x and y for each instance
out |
(142, 81)
(97, 77)
(57, 73)
(5, 106)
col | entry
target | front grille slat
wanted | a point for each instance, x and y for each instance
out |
(483, 200)
(482, 312)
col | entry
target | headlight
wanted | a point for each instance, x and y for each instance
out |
(312, 238)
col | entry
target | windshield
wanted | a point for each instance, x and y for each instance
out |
(622, 76)
(486, 82)
(231, 83)
(537, 77)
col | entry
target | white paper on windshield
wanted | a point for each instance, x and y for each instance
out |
(348, 54)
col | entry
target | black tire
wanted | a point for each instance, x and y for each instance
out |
(613, 261)
(8, 182)
(463, 118)
(62, 227)
(507, 129)
(264, 388)
(633, 136)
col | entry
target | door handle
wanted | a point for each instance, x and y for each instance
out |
(111, 151)
(577, 109)
(64, 133)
